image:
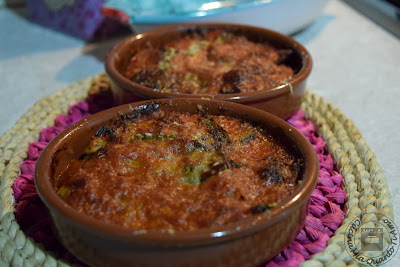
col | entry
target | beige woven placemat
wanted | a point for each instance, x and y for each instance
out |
(364, 181)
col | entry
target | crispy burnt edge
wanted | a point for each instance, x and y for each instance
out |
(215, 169)
(221, 139)
(192, 32)
(272, 172)
(233, 78)
(139, 112)
(109, 132)
(297, 165)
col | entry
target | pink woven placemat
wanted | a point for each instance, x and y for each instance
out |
(325, 207)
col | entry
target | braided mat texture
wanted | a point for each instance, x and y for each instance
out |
(364, 181)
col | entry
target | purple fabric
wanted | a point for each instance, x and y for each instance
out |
(82, 19)
(28, 167)
(47, 134)
(35, 149)
(325, 206)
(30, 212)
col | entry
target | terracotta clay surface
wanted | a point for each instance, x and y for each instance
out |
(282, 100)
(174, 171)
(243, 243)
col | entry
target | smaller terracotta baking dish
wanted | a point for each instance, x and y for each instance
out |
(248, 241)
(281, 98)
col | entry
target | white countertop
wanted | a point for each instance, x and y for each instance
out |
(356, 68)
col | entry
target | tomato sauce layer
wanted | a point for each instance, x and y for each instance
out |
(178, 171)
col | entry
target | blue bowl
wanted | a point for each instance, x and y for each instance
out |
(285, 16)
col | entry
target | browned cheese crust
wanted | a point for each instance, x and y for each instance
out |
(212, 62)
(179, 171)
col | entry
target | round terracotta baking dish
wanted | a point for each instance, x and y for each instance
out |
(247, 242)
(281, 101)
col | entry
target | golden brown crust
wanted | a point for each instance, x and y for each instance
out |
(171, 170)
(215, 62)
